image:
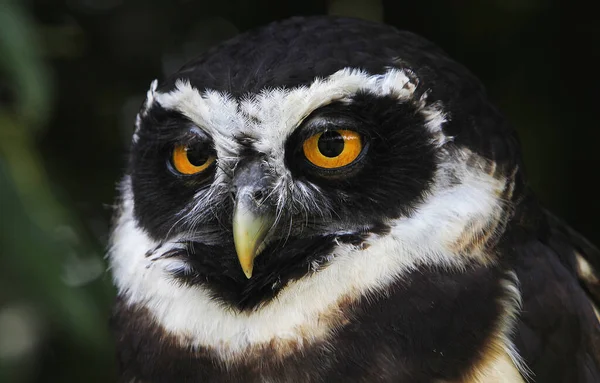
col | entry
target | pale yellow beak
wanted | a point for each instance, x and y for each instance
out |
(249, 232)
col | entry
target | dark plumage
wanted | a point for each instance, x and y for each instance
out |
(424, 258)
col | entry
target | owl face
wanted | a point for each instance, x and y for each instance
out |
(281, 177)
(273, 178)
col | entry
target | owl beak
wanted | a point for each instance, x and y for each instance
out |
(249, 232)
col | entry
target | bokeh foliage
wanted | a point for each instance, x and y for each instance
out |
(74, 72)
(50, 307)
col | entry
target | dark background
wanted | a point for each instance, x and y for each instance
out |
(73, 74)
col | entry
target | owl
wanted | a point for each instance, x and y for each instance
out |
(333, 200)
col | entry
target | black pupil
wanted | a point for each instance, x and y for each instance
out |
(331, 144)
(197, 155)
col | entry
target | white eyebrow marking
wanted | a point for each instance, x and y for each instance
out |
(270, 116)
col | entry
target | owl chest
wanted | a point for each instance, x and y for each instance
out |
(431, 329)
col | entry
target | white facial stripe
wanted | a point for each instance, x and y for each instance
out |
(147, 105)
(150, 96)
(197, 320)
(213, 112)
(280, 111)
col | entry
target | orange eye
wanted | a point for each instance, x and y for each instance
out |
(333, 148)
(191, 160)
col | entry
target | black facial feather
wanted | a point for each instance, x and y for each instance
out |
(399, 156)
(161, 195)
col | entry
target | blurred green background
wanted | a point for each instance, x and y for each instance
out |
(74, 72)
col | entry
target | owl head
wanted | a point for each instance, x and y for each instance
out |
(306, 161)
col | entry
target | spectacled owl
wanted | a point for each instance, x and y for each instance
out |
(334, 200)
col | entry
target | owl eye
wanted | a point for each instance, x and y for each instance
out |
(333, 148)
(190, 160)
